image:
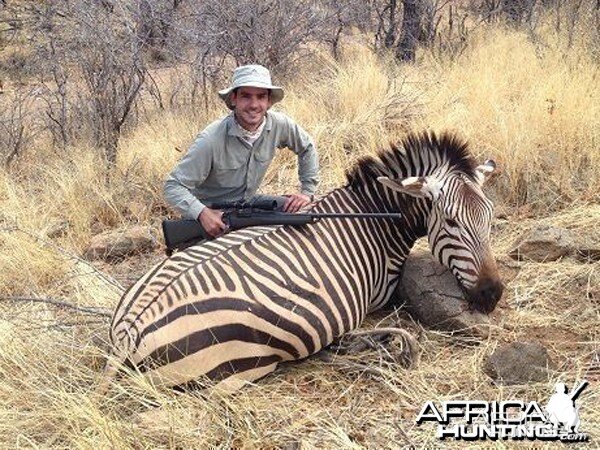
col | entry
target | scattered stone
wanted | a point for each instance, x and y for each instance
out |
(506, 261)
(501, 219)
(58, 230)
(587, 250)
(431, 294)
(519, 363)
(544, 243)
(501, 213)
(115, 245)
(294, 445)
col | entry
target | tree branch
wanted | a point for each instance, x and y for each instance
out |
(94, 310)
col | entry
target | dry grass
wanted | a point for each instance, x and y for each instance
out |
(536, 113)
(48, 403)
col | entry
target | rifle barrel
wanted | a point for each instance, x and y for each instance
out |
(395, 216)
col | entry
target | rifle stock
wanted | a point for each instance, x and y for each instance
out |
(181, 232)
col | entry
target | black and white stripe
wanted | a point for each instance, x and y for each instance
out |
(232, 308)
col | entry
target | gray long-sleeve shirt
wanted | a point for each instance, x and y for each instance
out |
(220, 166)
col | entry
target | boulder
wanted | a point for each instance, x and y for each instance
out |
(431, 294)
(117, 244)
(587, 250)
(546, 243)
(519, 363)
(543, 243)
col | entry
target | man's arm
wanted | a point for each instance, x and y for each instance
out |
(191, 171)
(299, 141)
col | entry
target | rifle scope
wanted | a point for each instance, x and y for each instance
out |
(266, 205)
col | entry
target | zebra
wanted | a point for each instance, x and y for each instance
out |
(231, 309)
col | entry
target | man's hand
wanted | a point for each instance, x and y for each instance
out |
(295, 201)
(212, 221)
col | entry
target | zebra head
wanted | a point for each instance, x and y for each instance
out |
(458, 226)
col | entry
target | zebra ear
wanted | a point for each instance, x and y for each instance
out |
(419, 187)
(486, 170)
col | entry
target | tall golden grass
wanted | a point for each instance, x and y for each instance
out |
(532, 108)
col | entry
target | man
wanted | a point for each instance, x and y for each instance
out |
(229, 159)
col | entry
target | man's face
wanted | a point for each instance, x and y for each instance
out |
(250, 105)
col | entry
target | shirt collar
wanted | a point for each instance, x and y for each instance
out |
(233, 129)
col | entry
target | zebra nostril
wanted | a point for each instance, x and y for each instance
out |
(485, 295)
(488, 293)
(497, 291)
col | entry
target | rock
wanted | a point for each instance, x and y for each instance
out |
(58, 229)
(544, 243)
(114, 245)
(294, 445)
(519, 363)
(587, 250)
(501, 213)
(431, 294)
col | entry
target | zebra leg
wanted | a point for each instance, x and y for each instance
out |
(379, 339)
(112, 367)
(238, 381)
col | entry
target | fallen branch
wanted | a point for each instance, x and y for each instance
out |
(95, 310)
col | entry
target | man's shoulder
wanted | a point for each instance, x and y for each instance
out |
(217, 128)
(280, 118)
(212, 136)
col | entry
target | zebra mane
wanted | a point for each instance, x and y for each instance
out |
(418, 154)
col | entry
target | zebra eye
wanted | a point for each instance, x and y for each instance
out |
(452, 223)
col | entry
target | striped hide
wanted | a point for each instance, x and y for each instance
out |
(231, 309)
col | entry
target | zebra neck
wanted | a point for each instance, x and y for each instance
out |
(394, 239)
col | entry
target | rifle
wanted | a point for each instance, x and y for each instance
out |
(180, 234)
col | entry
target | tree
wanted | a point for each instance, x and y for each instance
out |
(91, 68)
(273, 32)
(412, 14)
(15, 125)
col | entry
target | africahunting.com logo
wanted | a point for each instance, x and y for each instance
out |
(512, 419)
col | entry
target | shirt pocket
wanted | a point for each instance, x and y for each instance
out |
(262, 160)
(229, 173)
(264, 155)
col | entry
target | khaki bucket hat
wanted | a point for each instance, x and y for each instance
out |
(252, 75)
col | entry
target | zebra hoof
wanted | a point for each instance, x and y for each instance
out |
(394, 345)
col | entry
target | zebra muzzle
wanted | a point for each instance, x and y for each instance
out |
(484, 296)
